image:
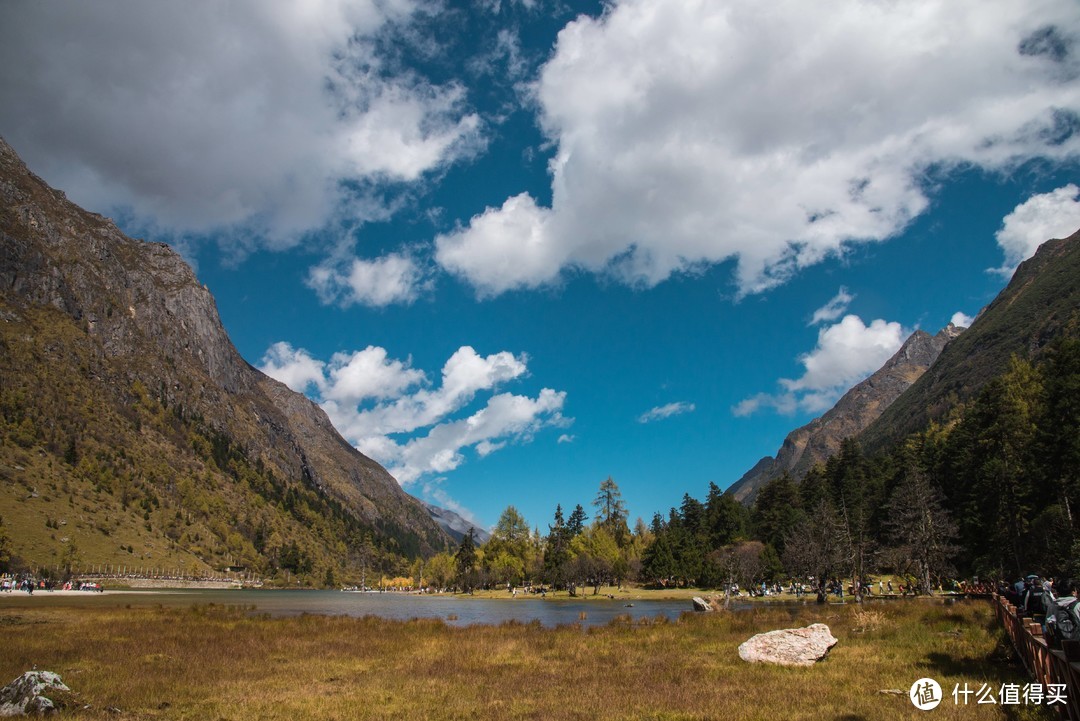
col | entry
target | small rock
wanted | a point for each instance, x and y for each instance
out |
(790, 646)
(24, 695)
(700, 604)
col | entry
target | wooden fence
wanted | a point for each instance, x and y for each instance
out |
(1046, 665)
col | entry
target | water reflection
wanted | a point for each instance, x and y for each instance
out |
(453, 610)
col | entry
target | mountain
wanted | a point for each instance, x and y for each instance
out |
(133, 433)
(858, 408)
(1040, 303)
(454, 525)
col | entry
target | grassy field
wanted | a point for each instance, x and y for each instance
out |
(216, 663)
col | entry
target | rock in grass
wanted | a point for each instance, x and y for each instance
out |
(700, 604)
(23, 696)
(790, 646)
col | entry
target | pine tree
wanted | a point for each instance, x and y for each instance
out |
(575, 525)
(725, 517)
(1005, 420)
(557, 551)
(777, 511)
(465, 559)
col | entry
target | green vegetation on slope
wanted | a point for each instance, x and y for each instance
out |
(1041, 303)
(98, 470)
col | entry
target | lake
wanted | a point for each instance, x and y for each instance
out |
(453, 610)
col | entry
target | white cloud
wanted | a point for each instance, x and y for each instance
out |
(961, 319)
(1040, 218)
(773, 133)
(239, 118)
(846, 353)
(368, 374)
(665, 411)
(295, 368)
(370, 398)
(834, 308)
(566, 438)
(505, 416)
(348, 378)
(504, 248)
(393, 278)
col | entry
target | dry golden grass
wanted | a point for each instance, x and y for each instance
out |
(222, 663)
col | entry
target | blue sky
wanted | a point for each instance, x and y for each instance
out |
(514, 247)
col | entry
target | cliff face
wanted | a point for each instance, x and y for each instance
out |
(141, 324)
(858, 408)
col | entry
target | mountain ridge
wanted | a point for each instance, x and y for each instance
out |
(1040, 302)
(136, 330)
(854, 411)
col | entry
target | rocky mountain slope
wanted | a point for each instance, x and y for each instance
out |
(454, 525)
(132, 430)
(858, 408)
(1040, 303)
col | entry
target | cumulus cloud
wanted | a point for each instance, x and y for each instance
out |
(846, 353)
(1040, 218)
(508, 416)
(665, 411)
(371, 398)
(566, 438)
(239, 118)
(961, 319)
(776, 134)
(393, 278)
(295, 368)
(834, 308)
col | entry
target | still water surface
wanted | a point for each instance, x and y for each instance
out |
(455, 611)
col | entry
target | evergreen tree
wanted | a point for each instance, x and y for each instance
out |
(575, 525)
(465, 560)
(777, 511)
(725, 517)
(557, 552)
(1060, 430)
(1003, 494)
(658, 560)
(657, 525)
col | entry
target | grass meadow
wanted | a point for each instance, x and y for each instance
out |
(217, 662)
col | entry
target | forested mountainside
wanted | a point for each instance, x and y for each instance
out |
(973, 471)
(820, 439)
(1040, 303)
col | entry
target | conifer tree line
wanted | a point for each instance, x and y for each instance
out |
(991, 490)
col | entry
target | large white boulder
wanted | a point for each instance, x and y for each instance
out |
(789, 646)
(23, 696)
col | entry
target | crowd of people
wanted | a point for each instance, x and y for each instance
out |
(1052, 603)
(29, 584)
